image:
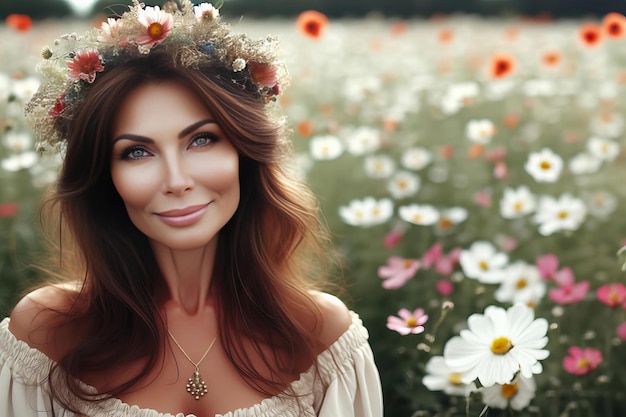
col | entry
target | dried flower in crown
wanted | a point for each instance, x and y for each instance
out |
(194, 34)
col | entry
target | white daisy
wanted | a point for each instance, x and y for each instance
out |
(25, 88)
(458, 96)
(608, 124)
(566, 213)
(325, 147)
(480, 131)
(379, 166)
(497, 345)
(522, 284)
(584, 163)
(603, 149)
(517, 394)
(483, 262)
(366, 212)
(17, 141)
(363, 140)
(516, 203)
(403, 184)
(416, 158)
(450, 217)
(422, 215)
(544, 166)
(440, 378)
(600, 203)
(22, 160)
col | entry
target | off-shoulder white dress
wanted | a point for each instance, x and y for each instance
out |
(347, 370)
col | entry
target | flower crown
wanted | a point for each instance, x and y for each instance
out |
(195, 34)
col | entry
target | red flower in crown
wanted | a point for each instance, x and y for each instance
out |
(85, 65)
(263, 74)
(59, 105)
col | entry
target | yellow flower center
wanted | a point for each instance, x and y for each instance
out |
(445, 223)
(455, 379)
(509, 390)
(417, 218)
(545, 165)
(483, 265)
(501, 345)
(411, 322)
(518, 207)
(407, 263)
(376, 212)
(563, 215)
(155, 30)
(521, 283)
(582, 363)
(402, 184)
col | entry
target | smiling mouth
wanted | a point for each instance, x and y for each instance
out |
(185, 216)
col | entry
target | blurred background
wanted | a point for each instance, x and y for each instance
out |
(429, 102)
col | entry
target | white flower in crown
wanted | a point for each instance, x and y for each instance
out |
(403, 184)
(112, 31)
(483, 262)
(326, 147)
(517, 394)
(239, 64)
(544, 166)
(416, 158)
(422, 215)
(497, 345)
(379, 166)
(367, 212)
(603, 149)
(206, 11)
(517, 202)
(156, 23)
(584, 163)
(480, 131)
(566, 213)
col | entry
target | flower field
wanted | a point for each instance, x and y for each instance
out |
(472, 174)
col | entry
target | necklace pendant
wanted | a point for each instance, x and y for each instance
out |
(196, 385)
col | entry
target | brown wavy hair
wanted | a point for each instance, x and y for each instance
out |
(269, 254)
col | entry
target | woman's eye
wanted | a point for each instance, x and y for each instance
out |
(134, 153)
(203, 139)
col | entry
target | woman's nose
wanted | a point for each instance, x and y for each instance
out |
(177, 179)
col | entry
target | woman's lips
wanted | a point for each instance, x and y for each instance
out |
(183, 217)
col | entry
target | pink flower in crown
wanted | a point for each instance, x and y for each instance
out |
(112, 31)
(85, 65)
(262, 74)
(156, 23)
(612, 295)
(408, 323)
(397, 272)
(582, 361)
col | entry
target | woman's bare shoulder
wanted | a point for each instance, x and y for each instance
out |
(336, 318)
(35, 317)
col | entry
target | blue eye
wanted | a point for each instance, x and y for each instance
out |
(203, 139)
(134, 152)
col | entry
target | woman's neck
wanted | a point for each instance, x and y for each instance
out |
(187, 276)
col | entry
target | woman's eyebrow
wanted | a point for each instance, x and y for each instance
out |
(182, 133)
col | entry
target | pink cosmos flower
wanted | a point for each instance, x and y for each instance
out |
(582, 361)
(495, 155)
(483, 198)
(621, 331)
(445, 287)
(85, 65)
(569, 294)
(564, 277)
(500, 170)
(430, 257)
(157, 24)
(612, 295)
(408, 323)
(397, 272)
(548, 265)
(446, 263)
(392, 238)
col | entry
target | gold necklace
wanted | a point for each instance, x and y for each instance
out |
(196, 385)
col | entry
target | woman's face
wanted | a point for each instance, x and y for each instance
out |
(176, 172)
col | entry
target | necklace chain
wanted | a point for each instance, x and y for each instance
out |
(196, 385)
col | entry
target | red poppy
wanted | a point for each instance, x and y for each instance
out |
(312, 24)
(19, 22)
(590, 35)
(305, 128)
(502, 65)
(614, 25)
(59, 105)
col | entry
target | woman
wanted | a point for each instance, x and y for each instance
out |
(186, 246)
